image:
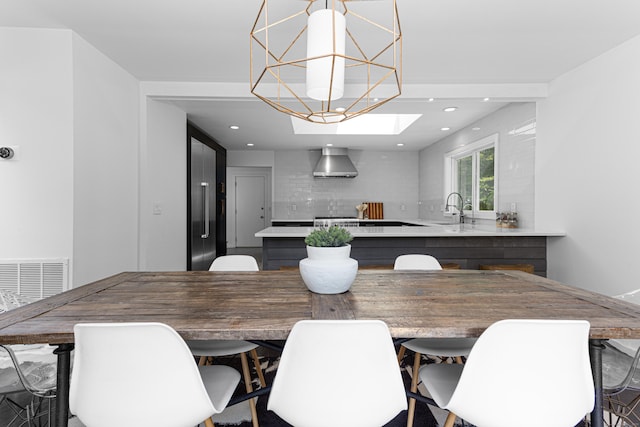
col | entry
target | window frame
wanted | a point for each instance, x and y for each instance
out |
(450, 174)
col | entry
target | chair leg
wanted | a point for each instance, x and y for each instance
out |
(451, 418)
(256, 364)
(401, 354)
(249, 388)
(202, 360)
(209, 422)
(414, 389)
(459, 360)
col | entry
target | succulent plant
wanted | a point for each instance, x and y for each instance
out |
(329, 237)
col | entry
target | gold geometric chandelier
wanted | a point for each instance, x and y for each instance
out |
(329, 61)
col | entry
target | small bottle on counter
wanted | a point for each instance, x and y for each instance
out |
(507, 219)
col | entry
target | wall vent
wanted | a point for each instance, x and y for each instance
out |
(34, 278)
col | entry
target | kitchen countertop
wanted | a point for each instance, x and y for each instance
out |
(422, 228)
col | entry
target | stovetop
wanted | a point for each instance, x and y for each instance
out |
(335, 217)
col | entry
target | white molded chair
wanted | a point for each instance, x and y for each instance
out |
(234, 263)
(218, 348)
(542, 376)
(443, 347)
(317, 386)
(416, 262)
(115, 383)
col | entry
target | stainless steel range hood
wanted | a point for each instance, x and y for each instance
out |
(335, 163)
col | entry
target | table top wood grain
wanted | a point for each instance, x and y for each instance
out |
(264, 305)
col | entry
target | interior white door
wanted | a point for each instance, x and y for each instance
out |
(250, 210)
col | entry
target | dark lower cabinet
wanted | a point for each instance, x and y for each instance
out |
(467, 252)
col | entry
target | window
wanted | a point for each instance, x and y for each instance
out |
(471, 171)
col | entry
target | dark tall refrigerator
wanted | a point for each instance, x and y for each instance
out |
(202, 230)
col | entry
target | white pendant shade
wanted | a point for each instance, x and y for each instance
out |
(320, 42)
(341, 42)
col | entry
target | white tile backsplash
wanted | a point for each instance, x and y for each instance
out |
(410, 184)
(383, 176)
(515, 125)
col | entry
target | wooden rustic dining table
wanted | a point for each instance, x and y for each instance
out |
(265, 305)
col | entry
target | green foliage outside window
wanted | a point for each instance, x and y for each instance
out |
(485, 179)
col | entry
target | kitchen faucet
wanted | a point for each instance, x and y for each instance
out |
(462, 205)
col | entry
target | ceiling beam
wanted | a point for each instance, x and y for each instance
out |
(508, 92)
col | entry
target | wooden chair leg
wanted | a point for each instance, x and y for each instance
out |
(451, 418)
(459, 360)
(414, 389)
(256, 364)
(249, 388)
(202, 360)
(401, 354)
(209, 422)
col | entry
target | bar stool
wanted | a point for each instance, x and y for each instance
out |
(450, 266)
(527, 268)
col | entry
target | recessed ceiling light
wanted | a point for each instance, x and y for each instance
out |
(431, 99)
(450, 109)
(329, 145)
(340, 109)
(249, 145)
(400, 144)
(486, 99)
(476, 128)
(234, 127)
(445, 128)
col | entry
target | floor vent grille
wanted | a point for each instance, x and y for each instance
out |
(34, 278)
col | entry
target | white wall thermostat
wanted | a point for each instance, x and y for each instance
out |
(6, 153)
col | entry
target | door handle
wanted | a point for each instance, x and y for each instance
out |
(205, 209)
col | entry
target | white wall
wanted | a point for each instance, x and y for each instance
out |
(163, 187)
(587, 155)
(72, 191)
(36, 114)
(250, 158)
(516, 159)
(105, 163)
(390, 177)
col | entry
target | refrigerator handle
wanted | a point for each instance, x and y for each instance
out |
(205, 204)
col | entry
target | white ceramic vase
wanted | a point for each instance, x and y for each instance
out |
(328, 270)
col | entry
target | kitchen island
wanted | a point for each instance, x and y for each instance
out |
(465, 246)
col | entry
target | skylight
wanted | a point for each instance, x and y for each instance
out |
(366, 124)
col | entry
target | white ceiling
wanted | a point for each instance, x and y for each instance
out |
(452, 49)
